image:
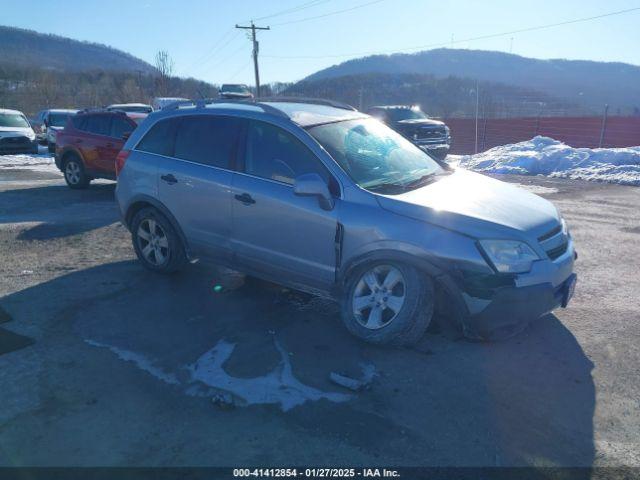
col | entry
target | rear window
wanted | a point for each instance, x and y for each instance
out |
(207, 140)
(159, 139)
(120, 126)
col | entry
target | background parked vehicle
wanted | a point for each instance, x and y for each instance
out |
(52, 121)
(16, 133)
(321, 197)
(159, 103)
(131, 107)
(88, 146)
(433, 136)
(233, 90)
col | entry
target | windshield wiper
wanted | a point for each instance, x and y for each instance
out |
(420, 182)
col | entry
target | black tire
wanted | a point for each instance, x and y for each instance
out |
(77, 180)
(174, 254)
(51, 147)
(410, 323)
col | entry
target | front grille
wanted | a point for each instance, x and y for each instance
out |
(554, 242)
(14, 141)
(421, 133)
(550, 234)
(558, 251)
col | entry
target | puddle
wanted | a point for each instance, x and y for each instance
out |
(278, 387)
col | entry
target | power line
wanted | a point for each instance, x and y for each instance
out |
(329, 14)
(209, 51)
(303, 6)
(444, 44)
(217, 51)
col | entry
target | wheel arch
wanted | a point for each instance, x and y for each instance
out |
(142, 201)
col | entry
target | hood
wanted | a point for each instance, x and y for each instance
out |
(420, 121)
(478, 206)
(16, 132)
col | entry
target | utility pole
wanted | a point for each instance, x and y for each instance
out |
(253, 29)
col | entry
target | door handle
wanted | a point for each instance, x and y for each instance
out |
(109, 145)
(169, 178)
(245, 198)
(78, 141)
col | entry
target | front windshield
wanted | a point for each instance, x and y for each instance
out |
(58, 119)
(13, 120)
(374, 156)
(234, 89)
(399, 114)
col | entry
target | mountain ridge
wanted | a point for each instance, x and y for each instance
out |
(28, 48)
(589, 83)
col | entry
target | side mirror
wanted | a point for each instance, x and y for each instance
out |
(312, 185)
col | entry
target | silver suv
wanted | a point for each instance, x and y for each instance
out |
(322, 198)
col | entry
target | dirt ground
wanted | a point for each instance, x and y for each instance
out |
(132, 368)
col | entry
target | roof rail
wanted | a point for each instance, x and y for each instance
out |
(314, 101)
(203, 102)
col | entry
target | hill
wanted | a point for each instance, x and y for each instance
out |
(26, 48)
(587, 83)
(442, 97)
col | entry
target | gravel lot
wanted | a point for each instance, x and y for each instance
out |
(126, 365)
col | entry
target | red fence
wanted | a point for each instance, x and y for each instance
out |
(574, 131)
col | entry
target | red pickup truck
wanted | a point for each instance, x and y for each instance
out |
(88, 145)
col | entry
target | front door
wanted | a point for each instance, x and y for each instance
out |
(288, 237)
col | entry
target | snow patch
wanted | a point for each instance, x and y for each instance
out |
(279, 386)
(546, 156)
(42, 162)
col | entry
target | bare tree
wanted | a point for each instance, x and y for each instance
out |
(164, 65)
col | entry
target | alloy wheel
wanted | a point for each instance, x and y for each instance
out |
(72, 172)
(378, 296)
(153, 242)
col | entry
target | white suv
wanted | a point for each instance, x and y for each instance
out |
(16, 133)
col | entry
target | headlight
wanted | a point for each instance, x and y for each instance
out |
(446, 129)
(31, 135)
(509, 256)
(565, 229)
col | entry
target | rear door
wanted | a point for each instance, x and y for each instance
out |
(97, 143)
(274, 230)
(195, 180)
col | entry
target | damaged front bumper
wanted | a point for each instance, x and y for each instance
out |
(509, 302)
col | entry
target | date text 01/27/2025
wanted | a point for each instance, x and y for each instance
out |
(315, 473)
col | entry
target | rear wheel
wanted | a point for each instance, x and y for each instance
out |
(74, 173)
(388, 303)
(156, 242)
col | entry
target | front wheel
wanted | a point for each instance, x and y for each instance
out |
(156, 242)
(388, 303)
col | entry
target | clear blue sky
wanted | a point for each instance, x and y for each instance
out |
(199, 34)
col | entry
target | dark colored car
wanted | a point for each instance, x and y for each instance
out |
(430, 135)
(88, 145)
(235, 91)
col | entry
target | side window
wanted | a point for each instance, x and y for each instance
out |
(79, 122)
(277, 155)
(120, 126)
(159, 139)
(209, 140)
(98, 124)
